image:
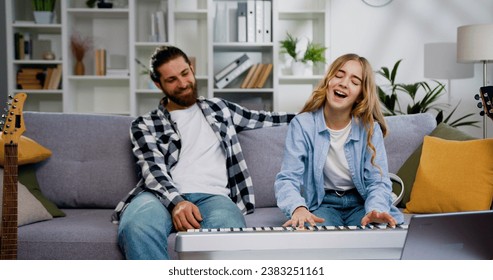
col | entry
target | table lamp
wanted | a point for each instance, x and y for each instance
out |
(475, 44)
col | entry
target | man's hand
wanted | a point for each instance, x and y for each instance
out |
(186, 215)
(378, 217)
(302, 215)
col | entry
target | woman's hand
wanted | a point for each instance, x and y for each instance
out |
(300, 216)
(378, 217)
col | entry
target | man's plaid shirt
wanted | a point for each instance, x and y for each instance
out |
(157, 146)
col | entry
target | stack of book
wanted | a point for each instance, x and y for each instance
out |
(30, 78)
(257, 76)
(229, 73)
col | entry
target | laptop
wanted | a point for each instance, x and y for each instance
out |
(450, 236)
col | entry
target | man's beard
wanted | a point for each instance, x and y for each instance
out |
(185, 100)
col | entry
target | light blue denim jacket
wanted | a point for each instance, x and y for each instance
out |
(307, 146)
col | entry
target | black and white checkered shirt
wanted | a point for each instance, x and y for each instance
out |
(157, 147)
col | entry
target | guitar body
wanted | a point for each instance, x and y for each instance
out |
(14, 127)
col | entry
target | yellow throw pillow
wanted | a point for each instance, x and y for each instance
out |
(453, 176)
(28, 150)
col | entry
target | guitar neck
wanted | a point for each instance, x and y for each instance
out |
(8, 236)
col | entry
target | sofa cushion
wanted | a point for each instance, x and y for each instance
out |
(453, 176)
(29, 151)
(405, 134)
(263, 150)
(408, 170)
(92, 165)
(29, 209)
(84, 234)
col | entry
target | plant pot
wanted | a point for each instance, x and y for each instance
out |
(301, 68)
(44, 17)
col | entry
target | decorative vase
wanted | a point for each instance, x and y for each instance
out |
(79, 68)
(43, 17)
(302, 68)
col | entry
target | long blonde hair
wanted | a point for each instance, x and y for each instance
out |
(367, 110)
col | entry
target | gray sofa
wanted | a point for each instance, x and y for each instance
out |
(92, 168)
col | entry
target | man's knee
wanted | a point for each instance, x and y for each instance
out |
(144, 215)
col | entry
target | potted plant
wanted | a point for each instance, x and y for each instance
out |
(302, 53)
(44, 11)
(429, 93)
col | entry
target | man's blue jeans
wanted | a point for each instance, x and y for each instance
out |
(146, 224)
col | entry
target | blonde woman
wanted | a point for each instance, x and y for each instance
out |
(334, 170)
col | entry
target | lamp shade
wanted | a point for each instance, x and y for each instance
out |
(440, 62)
(475, 43)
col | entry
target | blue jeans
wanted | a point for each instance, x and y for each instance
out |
(346, 210)
(146, 224)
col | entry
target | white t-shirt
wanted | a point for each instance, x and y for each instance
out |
(336, 169)
(201, 166)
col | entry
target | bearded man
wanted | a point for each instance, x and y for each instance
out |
(191, 167)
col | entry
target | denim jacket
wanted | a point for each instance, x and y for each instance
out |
(307, 147)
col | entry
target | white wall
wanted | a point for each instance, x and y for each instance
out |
(400, 30)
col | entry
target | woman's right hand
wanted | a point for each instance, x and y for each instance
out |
(300, 216)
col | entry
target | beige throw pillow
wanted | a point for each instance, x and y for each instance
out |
(29, 209)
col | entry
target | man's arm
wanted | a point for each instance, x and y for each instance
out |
(153, 167)
(244, 118)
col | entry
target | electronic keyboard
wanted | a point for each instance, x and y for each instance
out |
(318, 242)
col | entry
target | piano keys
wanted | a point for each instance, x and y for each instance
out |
(319, 242)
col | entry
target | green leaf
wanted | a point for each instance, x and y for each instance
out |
(424, 97)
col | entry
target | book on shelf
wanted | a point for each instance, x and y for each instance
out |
(242, 21)
(55, 78)
(266, 70)
(52, 77)
(251, 21)
(100, 62)
(240, 69)
(257, 76)
(19, 45)
(267, 21)
(28, 46)
(249, 76)
(230, 67)
(48, 77)
(259, 21)
(23, 46)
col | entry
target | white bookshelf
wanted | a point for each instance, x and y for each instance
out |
(124, 31)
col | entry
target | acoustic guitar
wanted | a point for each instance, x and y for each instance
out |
(11, 133)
